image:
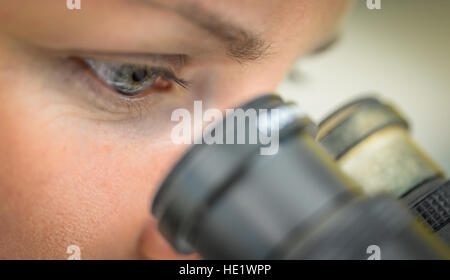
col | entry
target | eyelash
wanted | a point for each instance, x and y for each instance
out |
(121, 77)
(107, 98)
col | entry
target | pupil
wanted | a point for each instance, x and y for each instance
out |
(139, 75)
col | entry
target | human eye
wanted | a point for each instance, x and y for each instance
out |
(121, 87)
(133, 80)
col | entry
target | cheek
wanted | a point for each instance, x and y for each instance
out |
(66, 182)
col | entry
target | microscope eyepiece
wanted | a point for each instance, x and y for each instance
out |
(228, 201)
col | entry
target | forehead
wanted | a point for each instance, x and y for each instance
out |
(245, 27)
(258, 13)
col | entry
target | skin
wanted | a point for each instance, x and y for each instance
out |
(77, 166)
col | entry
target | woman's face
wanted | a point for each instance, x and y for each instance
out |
(80, 157)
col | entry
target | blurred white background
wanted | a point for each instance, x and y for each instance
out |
(401, 53)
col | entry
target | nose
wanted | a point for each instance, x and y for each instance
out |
(153, 246)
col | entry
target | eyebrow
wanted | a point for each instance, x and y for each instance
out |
(241, 44)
